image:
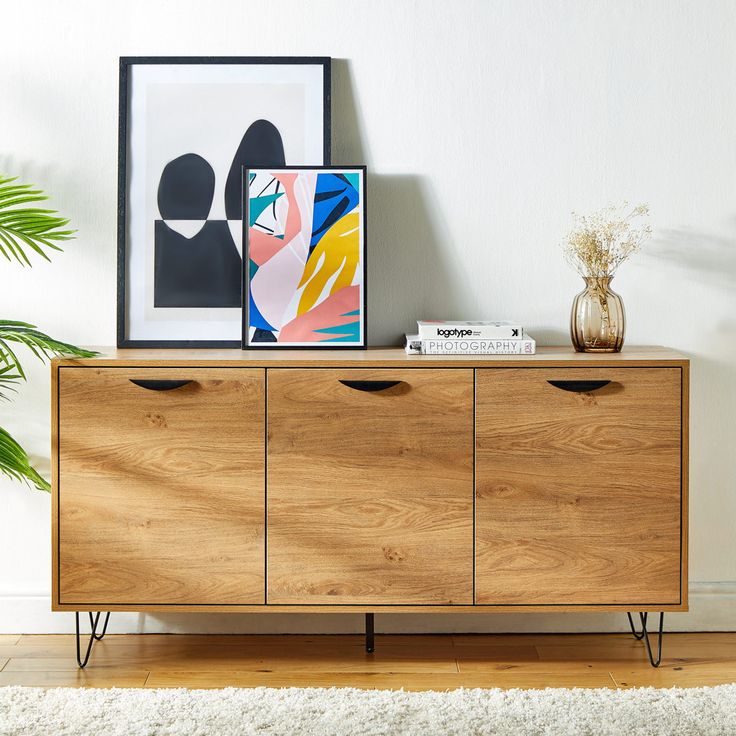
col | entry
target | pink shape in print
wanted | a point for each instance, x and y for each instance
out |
(274, 284)
(332, 312)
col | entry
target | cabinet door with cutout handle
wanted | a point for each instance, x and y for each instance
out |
(578, 487)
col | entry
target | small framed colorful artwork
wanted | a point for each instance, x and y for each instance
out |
(304, 230)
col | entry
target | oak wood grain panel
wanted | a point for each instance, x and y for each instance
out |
(380, 608)
(370, 494)
(161, 493)
(54, 482)
(371, 358)
(578, 494)
(685, 483)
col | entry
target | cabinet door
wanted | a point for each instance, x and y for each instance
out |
(578, 493)
(370, 492)
(161, 492)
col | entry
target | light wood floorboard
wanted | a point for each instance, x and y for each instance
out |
(91, 677)
(400, 661)
(377, 680)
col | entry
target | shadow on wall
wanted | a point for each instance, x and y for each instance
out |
(65, 188)
(412, 273)
(354, 623)
(707, 257)
(29, 172)
(550, 335)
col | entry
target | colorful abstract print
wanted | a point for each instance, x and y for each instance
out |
(305, 257)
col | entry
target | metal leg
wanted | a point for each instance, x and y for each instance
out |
(93, 625)
(94, 621)
(644, 634)
(369, 642)
(638, 637)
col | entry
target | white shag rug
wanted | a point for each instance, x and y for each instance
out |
(350, 712)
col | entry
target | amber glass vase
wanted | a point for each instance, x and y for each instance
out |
(597, 320)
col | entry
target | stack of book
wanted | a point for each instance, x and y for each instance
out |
(441, 337)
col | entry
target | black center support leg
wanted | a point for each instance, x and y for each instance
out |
(94, 621)
(369, 642)
(644, 635)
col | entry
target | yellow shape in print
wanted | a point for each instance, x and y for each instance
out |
(339, 248)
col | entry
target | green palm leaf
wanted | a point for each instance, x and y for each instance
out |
(23, 228)
(15, 464)
(8, 378)
(40, 344)
(13, 459)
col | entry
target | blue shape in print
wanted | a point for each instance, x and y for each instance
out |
(255, 318)
(334, 197)
(354, 178)
(352, 329)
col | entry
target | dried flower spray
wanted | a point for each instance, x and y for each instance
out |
(601, 242)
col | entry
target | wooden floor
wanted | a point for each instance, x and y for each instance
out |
(409, 662)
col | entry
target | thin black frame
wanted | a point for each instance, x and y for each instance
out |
(245, 285)
(125, 63)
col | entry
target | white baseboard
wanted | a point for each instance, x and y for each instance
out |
(712, 608)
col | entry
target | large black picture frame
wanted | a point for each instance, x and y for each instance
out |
(246, 344)
(124, 127)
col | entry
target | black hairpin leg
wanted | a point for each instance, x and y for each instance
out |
(644, 634)
(94, 621)
(369, 643)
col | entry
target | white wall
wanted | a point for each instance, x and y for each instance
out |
(483, 124)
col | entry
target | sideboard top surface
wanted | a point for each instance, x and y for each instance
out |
(373, 357)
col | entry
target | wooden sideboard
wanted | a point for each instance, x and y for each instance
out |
(370, 481)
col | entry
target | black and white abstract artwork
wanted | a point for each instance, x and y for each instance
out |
(189, 127)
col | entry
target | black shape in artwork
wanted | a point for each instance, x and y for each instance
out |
(333, 217)
(186, 188)
(203, 271)
(261, 147)
(263, 336)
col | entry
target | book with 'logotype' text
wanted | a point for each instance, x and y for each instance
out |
(459, 330)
